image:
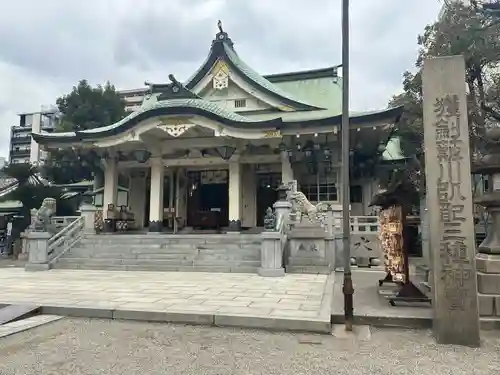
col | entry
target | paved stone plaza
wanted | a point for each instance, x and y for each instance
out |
(91, 347)
(232, 298)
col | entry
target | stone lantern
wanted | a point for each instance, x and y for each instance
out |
(488, 257)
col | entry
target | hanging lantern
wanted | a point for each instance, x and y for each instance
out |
(225, 152)
(141, 156)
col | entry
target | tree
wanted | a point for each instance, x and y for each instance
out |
(32, 189)
(467, 31)
(85, 107)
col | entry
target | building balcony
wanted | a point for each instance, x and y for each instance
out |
(21, 139)
(22, 152)
(19, 128)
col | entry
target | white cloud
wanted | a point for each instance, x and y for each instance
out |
(47, 46)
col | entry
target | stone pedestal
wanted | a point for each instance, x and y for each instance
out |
(23, 255)
(309, 245)
(271, 255)
(282, 208)
(37, 248)
(488, 257)
(88, 211)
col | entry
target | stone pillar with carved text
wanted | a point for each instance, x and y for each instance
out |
(156, 198)
(448, 184)
(110, 193)
(234, 196)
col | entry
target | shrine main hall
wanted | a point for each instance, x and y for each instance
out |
(209, 153)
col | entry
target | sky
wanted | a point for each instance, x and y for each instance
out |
(47, 46)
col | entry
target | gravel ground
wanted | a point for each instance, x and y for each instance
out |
(80, 346)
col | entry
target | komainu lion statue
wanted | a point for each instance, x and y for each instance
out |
(314, 214)
(41, 219)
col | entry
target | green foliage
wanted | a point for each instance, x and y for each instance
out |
(85, 107)
(31, 190)
(461, 31)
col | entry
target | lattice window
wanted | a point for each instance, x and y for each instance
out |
(240, 103)
(320, 192)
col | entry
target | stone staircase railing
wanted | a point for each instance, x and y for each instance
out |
(359, 225)
(65, 239)
(274, 242)
(365, 246)
(43, 249)
(60, 222)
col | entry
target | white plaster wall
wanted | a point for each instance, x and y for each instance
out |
(249, 197)
(138, 199)
(226, 97)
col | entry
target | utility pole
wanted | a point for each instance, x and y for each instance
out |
(347, 288)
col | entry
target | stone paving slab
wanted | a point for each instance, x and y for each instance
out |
(25, 324)
(371, 308)
(294, 302)
(14, 312)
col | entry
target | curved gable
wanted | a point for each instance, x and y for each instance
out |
(222, 50)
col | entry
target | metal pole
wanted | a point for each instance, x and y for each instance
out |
(347, 288)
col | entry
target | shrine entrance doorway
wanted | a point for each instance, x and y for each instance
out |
(267, 194)
(208, 199)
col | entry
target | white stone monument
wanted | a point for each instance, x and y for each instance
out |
(449, 197)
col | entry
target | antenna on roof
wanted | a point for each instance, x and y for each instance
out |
(219, 25)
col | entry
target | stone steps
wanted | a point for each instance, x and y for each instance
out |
(122, 267)
(307, 261)
(207, 253)
(163, 256)
(315, 270)
(126, 262)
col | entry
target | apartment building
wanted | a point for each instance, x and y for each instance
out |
(23, 149)
(133, 98)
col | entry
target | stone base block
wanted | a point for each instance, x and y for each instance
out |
(489, 305)
(270, 272)
(108, 226)
(488, 263)
(33, 267)
(488, 283)
(234, 226)
(155, 227)
(22, 256)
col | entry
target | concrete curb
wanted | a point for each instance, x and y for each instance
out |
(320, 325)
(327, 299)
(412, 322)
(387, 322)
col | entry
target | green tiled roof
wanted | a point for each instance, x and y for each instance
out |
(258, 79)
(172, 103)
(321, 92)
(222, 49)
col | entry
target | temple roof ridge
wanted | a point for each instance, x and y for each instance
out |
(222, 48)
(167, 91)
